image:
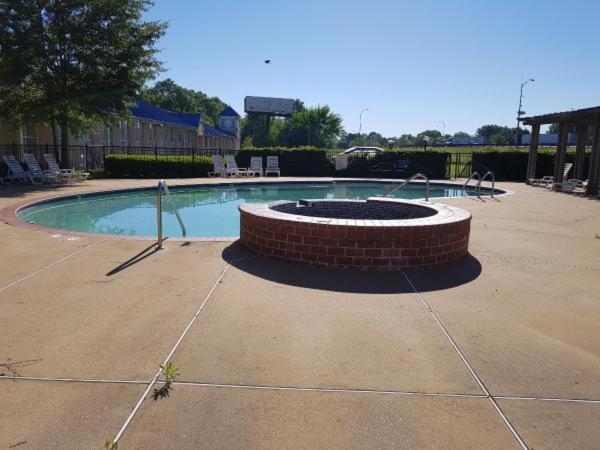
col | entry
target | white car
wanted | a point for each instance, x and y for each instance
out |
(370, 151)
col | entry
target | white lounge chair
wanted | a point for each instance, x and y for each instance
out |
(233, 168)
(219, 169)
(17, 173)
(256, 165)
(37, 172)
(63, 174)
(272, 165)
(548, 180)
(570, 185)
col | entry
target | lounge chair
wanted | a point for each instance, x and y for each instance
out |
(272, 165)
(256, 165)
(548, 181)
(570, 185)
(219, 169)
(37, 172)
(233, 168)
(63, 174)
(17, 173)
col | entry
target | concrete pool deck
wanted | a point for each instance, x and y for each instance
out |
(285, 355)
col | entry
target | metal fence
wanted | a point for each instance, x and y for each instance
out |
(86, 157)
(459, 165)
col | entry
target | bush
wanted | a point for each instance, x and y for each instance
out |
(293, 162)
(143, 166)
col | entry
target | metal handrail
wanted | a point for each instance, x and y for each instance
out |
(408, 180)
(476, 186)
(162, 187)
(489, 172)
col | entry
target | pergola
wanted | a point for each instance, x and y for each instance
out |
(582, 119)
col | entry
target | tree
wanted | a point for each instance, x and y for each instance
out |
(318, 127)
(169, 95)
(67, 64)
(431, 134)
(461, 134)
(488, 130)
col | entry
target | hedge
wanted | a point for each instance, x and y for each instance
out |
(512, 165)
(143, 166)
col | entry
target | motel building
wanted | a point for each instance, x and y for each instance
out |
(150, 126)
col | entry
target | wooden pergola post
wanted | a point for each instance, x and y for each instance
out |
(533, 151)
(582, 136)
(594, 172)
(561, 152)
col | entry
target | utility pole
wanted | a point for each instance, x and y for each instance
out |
(520, 112)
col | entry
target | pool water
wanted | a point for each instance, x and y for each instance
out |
(207, 211)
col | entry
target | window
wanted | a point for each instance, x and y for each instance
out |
(124, 132)
(106, 135)
(138, 132)
(150, 134)
(30, 135)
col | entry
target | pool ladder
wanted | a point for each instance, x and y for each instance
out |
(480, 179)
(405, 182)
(162, 187)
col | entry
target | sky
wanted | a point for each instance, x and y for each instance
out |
(450, 65)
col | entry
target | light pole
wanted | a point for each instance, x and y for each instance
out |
(360, 121)
(519, 111)
(444, 125)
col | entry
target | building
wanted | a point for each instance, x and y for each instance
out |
(549, 139)
(150, 126)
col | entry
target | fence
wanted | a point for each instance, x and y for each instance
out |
(86, 157)
(459, 165)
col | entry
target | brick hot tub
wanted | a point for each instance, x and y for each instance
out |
(382, 233)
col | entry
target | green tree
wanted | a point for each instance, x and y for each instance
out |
(69, 63)
(432, 134)
(318, 127)
(488, 130)
(169, 95)
(461, 134)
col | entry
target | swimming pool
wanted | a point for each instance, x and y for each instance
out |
(207, 211)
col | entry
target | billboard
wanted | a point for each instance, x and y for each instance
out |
(269, 105)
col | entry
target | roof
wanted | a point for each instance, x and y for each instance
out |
(229, 111)
(209, 130)
(363, 149)
(576, 115)
(144, 110)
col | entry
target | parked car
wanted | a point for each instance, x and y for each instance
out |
(370, 151)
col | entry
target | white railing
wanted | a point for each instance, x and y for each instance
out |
(477, 186)
(491, 174)
(405, 182)
(162, 187)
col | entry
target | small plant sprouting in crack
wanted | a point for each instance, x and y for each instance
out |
(109, 444)
(168, 374)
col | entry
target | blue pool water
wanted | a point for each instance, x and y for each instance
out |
(207, 211)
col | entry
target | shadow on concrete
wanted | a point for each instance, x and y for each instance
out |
(352, 281)
(148, 251)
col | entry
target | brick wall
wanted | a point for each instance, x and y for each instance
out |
(384, 247)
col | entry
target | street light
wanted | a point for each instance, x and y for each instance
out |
(520, 112)
(360, 121)
(444, 125)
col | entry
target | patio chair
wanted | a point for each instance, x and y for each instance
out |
(36, 171)
(63, 174)
(219, 169)
(570, 185)
(256, 165)
(17, 173)
(544, 181)
(272, 165)
(233, 168)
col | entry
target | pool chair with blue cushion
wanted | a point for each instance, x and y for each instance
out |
(256, 165)
(36, 171)
(62, 174)
(233, 168)
(17, 173)
(272, 165)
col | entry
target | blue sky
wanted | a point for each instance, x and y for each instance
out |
(412, 63)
